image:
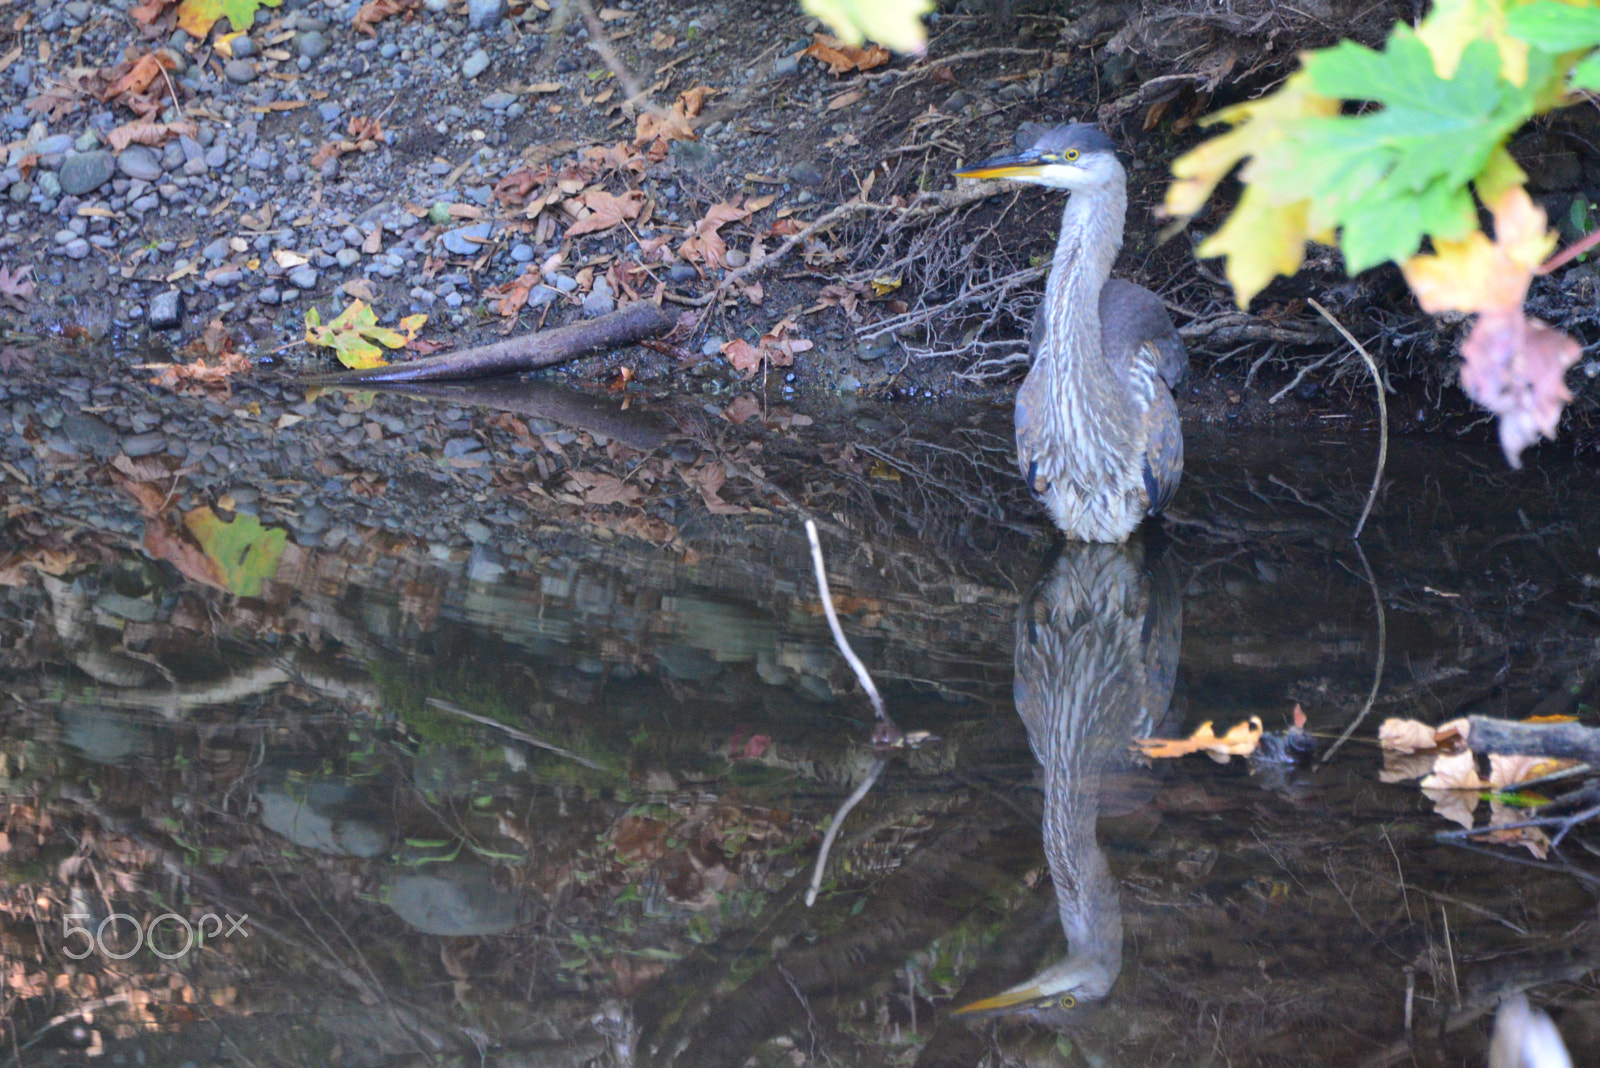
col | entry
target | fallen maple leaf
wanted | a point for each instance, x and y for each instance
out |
(653, 130)
(743, 407)
(355, 335)
(602, 210)
(375, 11)
(199, 376)
(15, 286)
(706, 245)
(597, 488)
(1239, 741)
(841, 58)
(196, 17)
(708, 479)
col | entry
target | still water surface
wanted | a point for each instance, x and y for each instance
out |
(397, 809)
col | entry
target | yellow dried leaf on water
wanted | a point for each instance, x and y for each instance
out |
(1241, 740)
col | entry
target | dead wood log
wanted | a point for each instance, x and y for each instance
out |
(530, 352)
(1566, 741)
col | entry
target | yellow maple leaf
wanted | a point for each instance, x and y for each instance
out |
(1257, 125)
(1241, 740)
(1260, 240)
(1452, 25)
(1475, 274)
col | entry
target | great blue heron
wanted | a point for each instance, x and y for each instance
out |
(1098, 438)
(1096, 661)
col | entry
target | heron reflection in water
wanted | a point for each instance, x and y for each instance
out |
(1096, 661)
(1098, 438)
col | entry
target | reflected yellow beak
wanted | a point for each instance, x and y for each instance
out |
(1020, 165)
(1010, 999)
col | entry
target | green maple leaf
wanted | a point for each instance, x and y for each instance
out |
(1400, 171)
(1555, 27)
(196, 17)
(355, 335)
(244, 551)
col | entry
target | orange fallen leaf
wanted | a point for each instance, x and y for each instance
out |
(1241, 740)
(841, 58)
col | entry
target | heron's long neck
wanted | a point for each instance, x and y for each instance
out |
(1091, 237)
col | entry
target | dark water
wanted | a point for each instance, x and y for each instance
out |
(393, 812)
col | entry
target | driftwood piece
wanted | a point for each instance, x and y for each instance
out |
(627, 326)
(1565, 741)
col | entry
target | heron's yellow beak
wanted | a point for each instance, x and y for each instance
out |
(1023, 164)
(1002, 1002)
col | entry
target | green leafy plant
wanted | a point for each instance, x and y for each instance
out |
(1379, 151)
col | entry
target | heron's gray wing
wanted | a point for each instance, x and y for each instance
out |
(1131, 317)
(1163, 451)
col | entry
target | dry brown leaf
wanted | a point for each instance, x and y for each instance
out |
(149, 133)
(604, 210)
(844, 100)
(743, 407)
(375, 11)
(601, 489)
(708, 479)
(199, 376)
(706, 245)
(841, 58)
(1241, 740)
(742, 356)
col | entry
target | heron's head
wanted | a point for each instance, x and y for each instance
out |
(1077, 156)
(1057, 989)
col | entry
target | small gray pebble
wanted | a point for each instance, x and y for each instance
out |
(166, 310)
(137, 161)
(77, 249)
(239, 71)
(522, 253)
(303, 277)
(347, 257)
(243, 47)
(476, 64)
(311, 45)
(466, 240)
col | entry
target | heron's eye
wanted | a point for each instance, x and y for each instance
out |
(1071, 155)
(1067, 1000)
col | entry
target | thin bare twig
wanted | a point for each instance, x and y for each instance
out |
(833, 829)
(839, 639)
(1377, 670)
(1383, 415)
(638, 95)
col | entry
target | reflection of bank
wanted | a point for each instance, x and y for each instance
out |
(1096, 658)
